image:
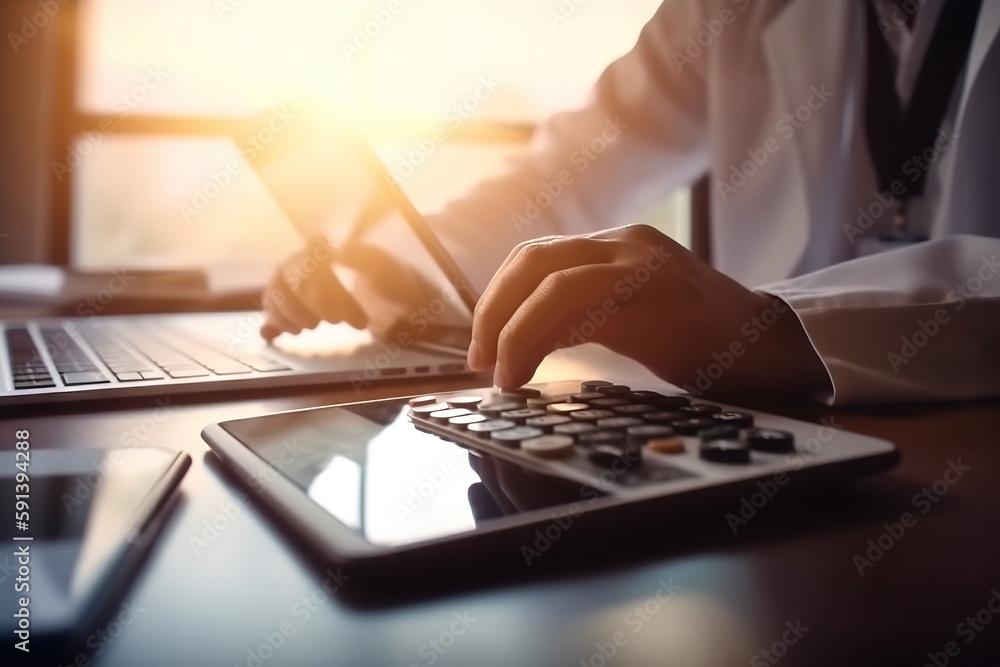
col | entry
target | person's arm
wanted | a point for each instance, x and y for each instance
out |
(642, 134)
(914, 324)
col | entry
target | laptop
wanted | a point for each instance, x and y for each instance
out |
(356, 201)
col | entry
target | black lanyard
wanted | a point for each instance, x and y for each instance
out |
(896, 135)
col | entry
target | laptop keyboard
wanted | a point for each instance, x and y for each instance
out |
(142, 357)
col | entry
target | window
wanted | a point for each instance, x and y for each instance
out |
(157, 84)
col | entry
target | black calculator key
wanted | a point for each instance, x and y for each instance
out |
(494, 409)
(634, 409)
(521, 414)
(619, 422)
(694, 425)
(549, 446)
(484, 429)
(593, 385)
(739, 419)
(602, 437)
(565, 408)
(615, 390)
(512, 437)
(668, 417)
(644, 433)
(607, 403)
(616, 457)
(647, 395)
(547, 422)
(442, 416)
(725, 451)
(520, 392)
(417, 401)
(719, 432)
(673, 402)
(574, 429)
(587, 396)
(769, 440)
(700, 409)
(591, 415)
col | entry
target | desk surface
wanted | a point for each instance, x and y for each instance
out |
(792, 566)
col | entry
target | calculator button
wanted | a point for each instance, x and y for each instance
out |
(464, 421)
(494, 409)
(574, 429)
(694, 425)
(422, 400)
(442, 416)
(521, 392)
(700, 409)
(591, 415)
(586, 397)
(549, 446)
(600, 437)
(673, 402)
(542, 401)
(719, 433)
(607, 402)
(615, 390)
(618, 422)
(566, 408)
(469, 402)
(484, 429)
(740, 419)
(634, 409)
(512, 437)
(673, 445)
(593, 385)
(725, 451)
(424, 410)
(547, 422)
(520, 415)
(619, 457)
(769, 440)
(646, 432)
(663, 417)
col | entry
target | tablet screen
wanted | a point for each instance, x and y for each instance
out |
(373, 471)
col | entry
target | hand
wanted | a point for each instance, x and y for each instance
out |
(305, 291)
(639, 293)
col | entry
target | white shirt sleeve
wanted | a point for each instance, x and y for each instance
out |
(917, 323)
(642, 134)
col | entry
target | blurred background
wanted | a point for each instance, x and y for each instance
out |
(116, 114)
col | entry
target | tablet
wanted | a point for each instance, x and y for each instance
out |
(443, 482)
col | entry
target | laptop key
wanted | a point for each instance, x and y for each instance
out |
(129, 377)
(74, 379)
(34, 384)
(151, 375)
(192, 373)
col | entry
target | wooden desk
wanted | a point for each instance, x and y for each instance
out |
(793, 565)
